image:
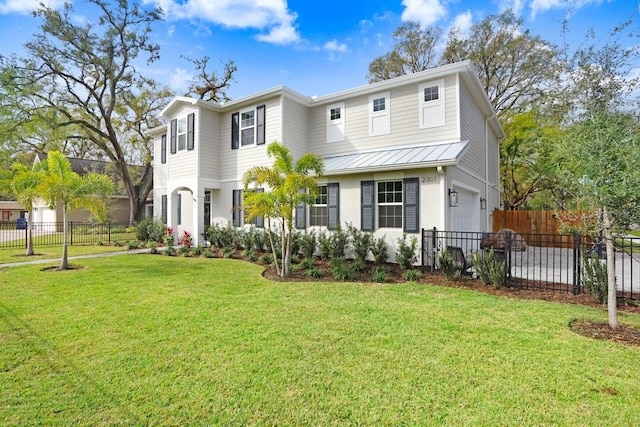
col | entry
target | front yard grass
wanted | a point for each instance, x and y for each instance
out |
(8, 256)
(138, 339)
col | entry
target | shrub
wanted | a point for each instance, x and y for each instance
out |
(133, 245)
(118, 243)
(594, 276)
(379, 275)
(227, 252)
(169, 250)
(250, 254)
(168, 236)
(186, 240)
(153, 248)
(489, 269)
(361, 242)
(315, 272)
(339, 243)
(307, 263)
(380, 250)
(307, 244)
(150, 229)
(185, 251)
(406, 252)
(266, 259)
(341, 270)
(411, 275)
(445, 261)
(222, 237)
(198, 250)
(324, 244)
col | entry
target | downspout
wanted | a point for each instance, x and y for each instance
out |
(486, 171)
(443, 205)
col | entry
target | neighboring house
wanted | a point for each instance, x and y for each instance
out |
(395, 152)
(118, 204)
(10, 211)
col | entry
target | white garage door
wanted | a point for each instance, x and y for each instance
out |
(466, 216)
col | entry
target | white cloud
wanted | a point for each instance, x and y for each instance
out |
(462, 23)
(334, 46)
(426, 12)
(27, 6)
(515, 5)
(544, 5)
(180, 80)
(271, 17)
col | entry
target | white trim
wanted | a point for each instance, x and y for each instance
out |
(432, 112)
(336, 126)
(380, 121)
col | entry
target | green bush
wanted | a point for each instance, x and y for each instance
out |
(445, 261)
(315, 272)
(307, 244)
(222, 237)
(406, 252)
(169, 250)
(361, 242)
(379, 275)
(198, 250)
(153, 248)
(380, 251)
(324, 244)
(594, 276)
(150, 229)
(307, 263)
(266, 259)
(341, 270)
(411, 275)
(489, 269)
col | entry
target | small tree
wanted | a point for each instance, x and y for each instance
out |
(24, 186)
(61, 185)
(289, 184)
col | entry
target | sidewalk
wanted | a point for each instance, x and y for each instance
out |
(71, 258)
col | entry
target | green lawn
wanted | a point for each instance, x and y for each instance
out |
(141, 339)
(8, 256)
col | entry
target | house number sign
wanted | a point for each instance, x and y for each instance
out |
(430, 179)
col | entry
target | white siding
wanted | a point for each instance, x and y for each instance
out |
(295, 130)
(405, 123)
(234, 163)
(183, 164)
(208, 143)
(472, 129)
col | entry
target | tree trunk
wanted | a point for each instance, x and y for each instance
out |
(64, 263)
(29, 233)
(612, 292)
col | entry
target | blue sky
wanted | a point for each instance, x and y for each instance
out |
(315, 47)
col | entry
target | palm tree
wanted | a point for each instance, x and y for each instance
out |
(24, 186)
(61, 185)
(289, 184)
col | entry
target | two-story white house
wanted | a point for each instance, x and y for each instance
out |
(417, 151)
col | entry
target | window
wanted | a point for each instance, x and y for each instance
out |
(239, 215)
(396, 203)
(431, 93)
(379, 117)
(335, 122)
(378, 104)
(432, 104)
(248, 127)
(179, 208)
(389, 204)
(164, 208)
(318, 214)
(182, 133)
(163, 149)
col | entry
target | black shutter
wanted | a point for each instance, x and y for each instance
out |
(174, 130)
(191, 118)
(333, 206)
(301, 215)
(367, 208)
(411, 205)
(260, 128)
(164, 209)
(259, 221)
(237, 208)
(163, 149)
(235, 131)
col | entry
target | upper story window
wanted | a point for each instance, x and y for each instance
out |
(379, 115)
(335, 122)
(248, 127)
(182, 131)
(432, 104)
(431, 93)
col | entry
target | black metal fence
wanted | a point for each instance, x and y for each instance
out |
(15, 234)
(539, 261)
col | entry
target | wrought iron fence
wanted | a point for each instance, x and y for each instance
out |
(540, 261)
(15, 235)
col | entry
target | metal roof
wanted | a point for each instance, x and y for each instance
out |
(396, 158)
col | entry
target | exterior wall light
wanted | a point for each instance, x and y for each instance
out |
(453, 198)
(483, 203)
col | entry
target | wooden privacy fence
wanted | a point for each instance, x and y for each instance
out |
(540, 222)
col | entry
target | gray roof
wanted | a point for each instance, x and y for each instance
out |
(396, 158)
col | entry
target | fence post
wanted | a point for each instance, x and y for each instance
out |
(109, 232)
(70, 232)
(26, 236)
(508, 237)
(434, 246)
(577, 263)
